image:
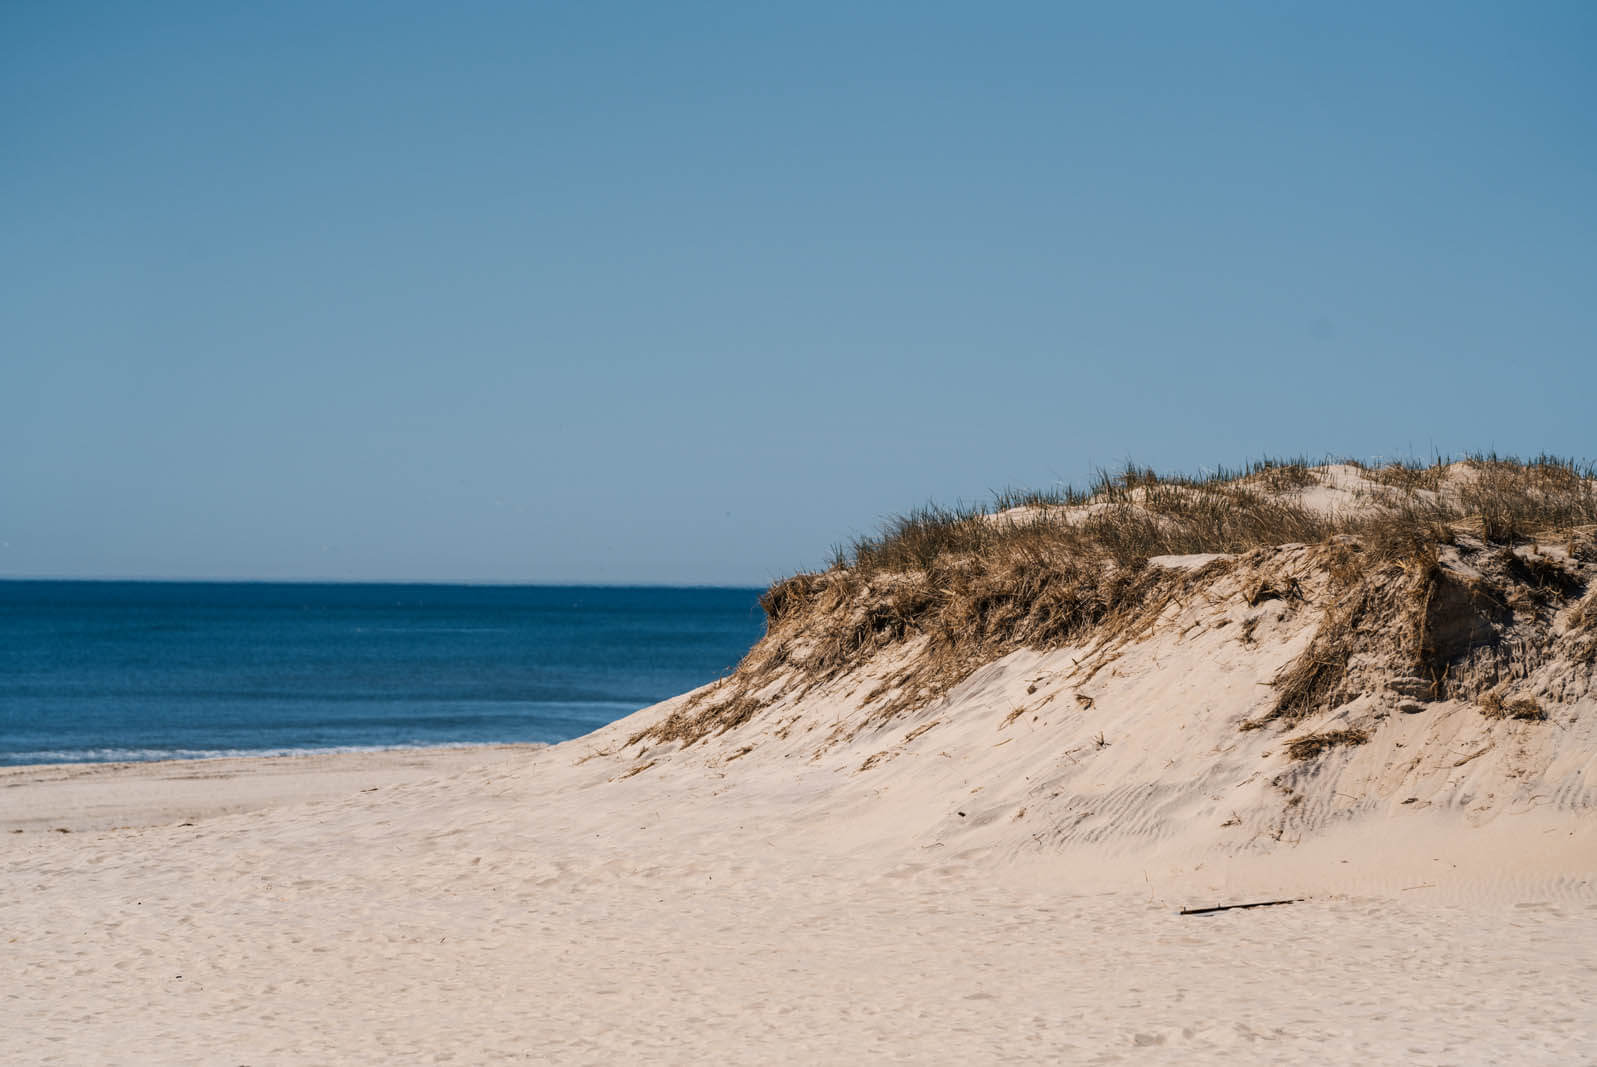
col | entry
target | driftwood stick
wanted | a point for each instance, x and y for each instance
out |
(1233, 907)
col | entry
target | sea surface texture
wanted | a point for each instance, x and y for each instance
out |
(94, 671)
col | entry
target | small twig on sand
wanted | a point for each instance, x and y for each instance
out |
(1234, 907)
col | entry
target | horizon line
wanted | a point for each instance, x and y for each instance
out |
(374, 581)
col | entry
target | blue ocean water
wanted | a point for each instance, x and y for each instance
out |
(94, 671)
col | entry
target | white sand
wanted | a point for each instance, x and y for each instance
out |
(533, 909)
(105, 796)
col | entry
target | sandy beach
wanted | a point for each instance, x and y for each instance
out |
(478, 906)
(74, 797)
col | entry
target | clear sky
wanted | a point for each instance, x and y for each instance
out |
(689, 293)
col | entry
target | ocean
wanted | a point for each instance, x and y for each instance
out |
(99, 671)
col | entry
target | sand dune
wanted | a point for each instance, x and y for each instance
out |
(803, 864)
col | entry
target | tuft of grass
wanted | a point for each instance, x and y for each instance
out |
(635, 769)
(1410, 476)
(1493, 706)
(1280, 476)
(1310, 746)
(1005, 499)
(1583, 630)
(1515, 500)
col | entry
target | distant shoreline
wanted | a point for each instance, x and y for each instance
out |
(287, 753)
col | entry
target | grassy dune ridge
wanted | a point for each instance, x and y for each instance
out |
(1453, 578)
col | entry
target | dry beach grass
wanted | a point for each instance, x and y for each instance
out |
(1043, 570)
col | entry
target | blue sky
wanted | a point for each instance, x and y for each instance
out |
(689, 293)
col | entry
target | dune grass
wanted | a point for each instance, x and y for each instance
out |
(1044, 569)
(1136, 514)
(1309, 746)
